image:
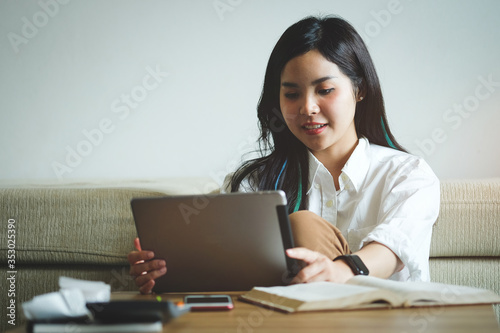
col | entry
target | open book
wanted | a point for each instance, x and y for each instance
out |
(363, 292)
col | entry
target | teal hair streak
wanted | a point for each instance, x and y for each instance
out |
(387, 135)
(299, 195)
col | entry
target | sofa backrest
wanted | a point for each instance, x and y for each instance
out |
(70, 226)
(469, 219)
(95, 225)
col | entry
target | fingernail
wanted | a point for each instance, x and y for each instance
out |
(289, 251)
(151, 255)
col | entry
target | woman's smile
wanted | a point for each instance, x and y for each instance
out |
(314, 128)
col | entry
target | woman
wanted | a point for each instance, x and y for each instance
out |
(358, 202)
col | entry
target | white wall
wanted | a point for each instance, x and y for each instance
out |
(66, 66)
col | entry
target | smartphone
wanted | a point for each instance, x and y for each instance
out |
(208, 302)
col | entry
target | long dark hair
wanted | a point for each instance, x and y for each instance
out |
(338, 42)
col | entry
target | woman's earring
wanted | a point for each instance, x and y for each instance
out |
(360, 99)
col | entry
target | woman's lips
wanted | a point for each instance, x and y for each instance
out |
(313, 128)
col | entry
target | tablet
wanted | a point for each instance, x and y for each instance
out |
(224, 242)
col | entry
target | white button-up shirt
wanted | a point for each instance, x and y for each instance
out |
(385, 196)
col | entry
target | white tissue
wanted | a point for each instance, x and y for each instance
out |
(65, 304)
(69, 301)
(93, 291)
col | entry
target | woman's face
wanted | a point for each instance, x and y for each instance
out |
(318, 104)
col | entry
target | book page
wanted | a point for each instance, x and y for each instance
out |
(316, 291)
(427, 293)
(322, 296)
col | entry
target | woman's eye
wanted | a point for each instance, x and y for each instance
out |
(292, 95)
(325, 91)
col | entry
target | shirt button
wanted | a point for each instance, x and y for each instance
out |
(329, 203)
(317, 185)
(344, 177)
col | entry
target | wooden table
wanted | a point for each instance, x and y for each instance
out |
(247, 318)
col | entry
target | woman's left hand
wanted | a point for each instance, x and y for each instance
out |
(319, 267)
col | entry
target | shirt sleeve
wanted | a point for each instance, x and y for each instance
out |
(409, 208)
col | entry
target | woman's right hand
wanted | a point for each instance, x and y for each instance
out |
(144, 268)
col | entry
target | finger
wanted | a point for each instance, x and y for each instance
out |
(145, 267)
(304, 275)
(303, 254)
(317, 271)
(139, 256)
(142, 280)
(147, 288)
(137, 244)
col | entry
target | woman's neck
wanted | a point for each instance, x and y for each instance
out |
(334, 158)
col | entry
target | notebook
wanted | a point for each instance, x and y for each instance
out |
(223, 242)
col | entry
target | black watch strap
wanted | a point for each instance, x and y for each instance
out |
(355, 264)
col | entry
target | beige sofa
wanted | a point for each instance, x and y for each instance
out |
(85, 230)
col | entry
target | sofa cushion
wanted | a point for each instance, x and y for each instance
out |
(469, 218)
(70, 225)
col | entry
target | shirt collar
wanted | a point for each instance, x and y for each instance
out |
(358, 163)
(314, 166)
(354, 170)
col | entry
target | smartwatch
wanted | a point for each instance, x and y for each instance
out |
(355, 264)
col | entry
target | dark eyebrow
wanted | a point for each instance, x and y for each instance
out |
(295, 85)
(322, 79)
(290, 84)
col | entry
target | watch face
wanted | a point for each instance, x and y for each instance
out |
(360, 266)
(355, 264)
